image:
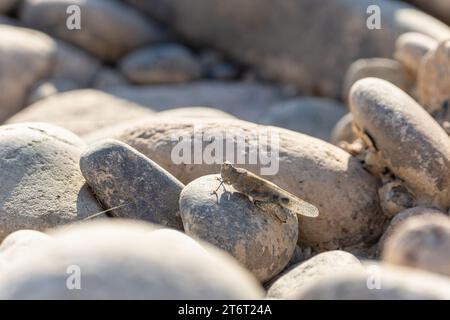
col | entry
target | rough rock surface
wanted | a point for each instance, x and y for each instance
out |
(159, 264)
(26, 57)
(42, 185)
(122, 177)
(230, 221)
(82, 111)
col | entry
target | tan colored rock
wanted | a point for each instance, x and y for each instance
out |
(42, 185)
(421, 242)
(411, 47)
(379, 282)
(401, 136)
(312, 169)
(324, 264)
(433, 80)
(81, 111)
(126, 260)
(26, 57)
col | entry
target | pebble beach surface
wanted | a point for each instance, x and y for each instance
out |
(112, 140)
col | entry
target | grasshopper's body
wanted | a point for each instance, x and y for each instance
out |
(263, 191)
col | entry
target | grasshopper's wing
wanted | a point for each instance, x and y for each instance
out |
(299, 206)
(287, 200)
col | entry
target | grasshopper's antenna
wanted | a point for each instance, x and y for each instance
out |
(105, 211)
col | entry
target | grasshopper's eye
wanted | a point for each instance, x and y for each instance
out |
(227, 164)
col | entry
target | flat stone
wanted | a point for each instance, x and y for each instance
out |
(122, 177)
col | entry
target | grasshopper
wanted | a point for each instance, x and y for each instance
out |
(261, 191)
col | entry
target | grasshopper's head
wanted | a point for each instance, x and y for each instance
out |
(228, 172)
